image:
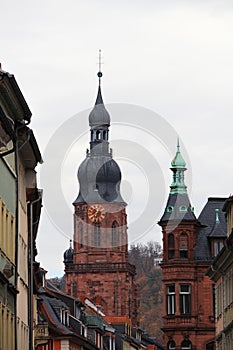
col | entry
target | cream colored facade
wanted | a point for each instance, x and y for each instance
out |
(19, 155)
(7, 243)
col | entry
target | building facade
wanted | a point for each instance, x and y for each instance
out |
(189, 246)
(8, 283)
(221, 272)
(98, 265)
(20, 202)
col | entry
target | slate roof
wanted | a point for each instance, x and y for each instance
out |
(227, 204)
(50, 308)
(9, 84)
(209, 228)
(174, 203)
(148, 340)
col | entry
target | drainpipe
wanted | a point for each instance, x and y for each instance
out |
(30, 271)
(17, 128)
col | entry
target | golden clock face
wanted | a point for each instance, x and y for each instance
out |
(96, 213)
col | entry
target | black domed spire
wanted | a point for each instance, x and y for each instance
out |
(99, 117)
(68, 255)
(99, 175)
(99, 99)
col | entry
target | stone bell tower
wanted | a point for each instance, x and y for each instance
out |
(97, 266)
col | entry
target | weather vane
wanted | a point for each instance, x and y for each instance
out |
(100, 74)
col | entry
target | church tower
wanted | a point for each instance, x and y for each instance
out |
(189, 321)
(97, 266)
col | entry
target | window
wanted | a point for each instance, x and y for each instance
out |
(211, 346)
(218, 245)
(171, 299)
(7, 231)
(171, 246)
(186, 345)
(98, 135)
(80, 230)
(183, 245)
(213, 297)
(98, 340)
(114, 234)
(171, 345)
(185, 299)
(97, 235)
(183, 209)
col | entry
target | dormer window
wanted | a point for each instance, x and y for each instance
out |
(218, 245)
(98, 340)
(183, 209)
(64, 316)
(186, 345)
(170, 209)
(171, 345)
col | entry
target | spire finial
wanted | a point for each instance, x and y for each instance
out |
(100, 74)
(178, 169)
(178, 144)
(70, 243)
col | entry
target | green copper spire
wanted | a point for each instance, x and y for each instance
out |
(178, 168)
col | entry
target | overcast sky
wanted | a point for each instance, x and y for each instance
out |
(171, 58)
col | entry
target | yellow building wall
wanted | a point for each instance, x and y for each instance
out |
(7, 336)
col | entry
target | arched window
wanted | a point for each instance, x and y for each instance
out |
(97, 235)
(171, 345)
(114, 234)
(183, 245)
(183, 209)
(171, 246)
(80, 231)
(186, 345)
(104, 134)
(98, 135)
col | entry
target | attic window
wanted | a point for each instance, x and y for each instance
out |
(183, 209)
(64, 317)
(170, 209)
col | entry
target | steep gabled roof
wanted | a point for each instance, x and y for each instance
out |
(50, 310)
(210, 228)
(178, 208)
